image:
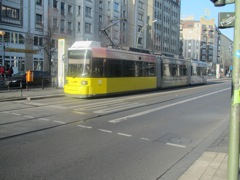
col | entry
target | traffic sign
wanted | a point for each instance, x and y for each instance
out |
(226, 20)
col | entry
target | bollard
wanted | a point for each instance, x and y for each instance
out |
(42, 83)
(21, 88)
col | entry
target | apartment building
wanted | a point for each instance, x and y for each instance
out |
(32, 28)
(164, 25)
(225, 54)
(22, 25)
(200, 40)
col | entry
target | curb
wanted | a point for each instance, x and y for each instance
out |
(44, 96)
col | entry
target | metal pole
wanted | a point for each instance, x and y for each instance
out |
(233, 150)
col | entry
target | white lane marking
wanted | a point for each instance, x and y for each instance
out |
(162, 107)
(145, 139)
(176, 145)
(16, 114)
(5, 112)
(29, 116)
(122, 134)
(77, 112)
(88, 127)
(104, 130)
(61, 122)
(43, 119)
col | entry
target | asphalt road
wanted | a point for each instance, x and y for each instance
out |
(143, 136)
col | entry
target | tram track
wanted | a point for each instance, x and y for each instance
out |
(92, 116)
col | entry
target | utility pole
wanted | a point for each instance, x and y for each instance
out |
(233, 152)
(227, 20)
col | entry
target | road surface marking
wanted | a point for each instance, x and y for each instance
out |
(122, 134)
(103, 130)
(146, 139)
(29, 116)
(176, 145)
(61, 122)
(162, 107)
(43, 119)
(16, 114)
(88, 127)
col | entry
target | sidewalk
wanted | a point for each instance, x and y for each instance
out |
(30, 94)
(211, 165)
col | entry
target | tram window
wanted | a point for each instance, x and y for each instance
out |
(113, 68)
(150, 69)
(139, 69)
(204, 71)
(166, 70)
(178, 70)
(174, 69)
(194, 70)
(97, 68)
(128, 68)
(199, 71)
(184, 70)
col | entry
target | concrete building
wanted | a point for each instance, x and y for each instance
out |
(32, 28)
(23, 24)
(225, 54)
(163, 34)
(200, 41)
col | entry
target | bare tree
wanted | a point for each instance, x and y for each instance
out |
(46, 43)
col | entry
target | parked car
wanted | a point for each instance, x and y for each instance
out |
(15, 80)
(39, 78)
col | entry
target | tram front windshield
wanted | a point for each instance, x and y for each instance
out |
(79, 63)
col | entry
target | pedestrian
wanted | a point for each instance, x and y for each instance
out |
(10, 72)
(2, 72)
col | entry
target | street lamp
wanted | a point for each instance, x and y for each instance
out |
(2, 33)
(142, 30)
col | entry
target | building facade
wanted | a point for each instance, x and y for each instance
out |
(201, 41)
(164, 25)
(32, 28)
(225, 54)
(23, 24)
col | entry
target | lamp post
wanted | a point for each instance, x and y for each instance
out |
(2, 33)
(142, 30)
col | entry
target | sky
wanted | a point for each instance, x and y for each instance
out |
(205, 8)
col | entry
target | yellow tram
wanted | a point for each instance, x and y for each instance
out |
(95, 71)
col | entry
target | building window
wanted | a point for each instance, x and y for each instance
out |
(87, 28)
(109, 5)
(39, 2)
(140, 17)
(62, 8)
(21, 39)
(10, 12)
(116, 7)
(139, 28)
(38, 19)
(88, 11)
(38, 41)
(78, 26)
(54, 22)
(69, 9)
(79, 10)
(140, 5)
(62, 25)
(100, 19)
(54, 3)
(70, 26)
(100, 4)
(140, 40)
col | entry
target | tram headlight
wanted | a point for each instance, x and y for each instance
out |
(84, 83)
